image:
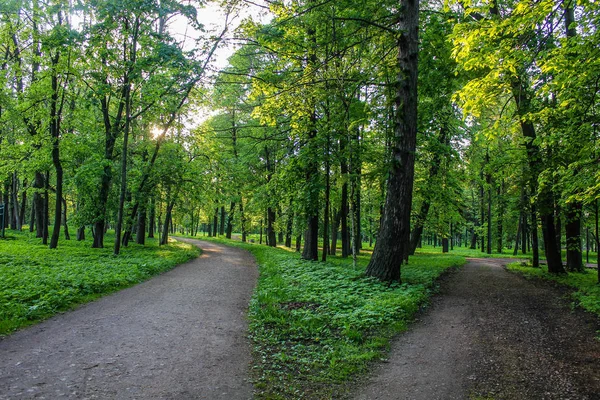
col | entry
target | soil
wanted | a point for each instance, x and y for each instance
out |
(492, 334)
(181, 335)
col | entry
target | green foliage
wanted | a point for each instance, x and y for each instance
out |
(587, 290)
(36, 282)
(314, 326)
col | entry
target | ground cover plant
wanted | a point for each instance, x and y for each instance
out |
(586, 291)
(37, 282)
(316, 325)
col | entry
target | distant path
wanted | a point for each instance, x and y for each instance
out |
(493, 334)
(180, 335)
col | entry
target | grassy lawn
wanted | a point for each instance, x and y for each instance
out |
(586, 288)
(36, 282)
(315, 326)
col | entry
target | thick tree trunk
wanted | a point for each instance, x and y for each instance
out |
(392, 246)
(152, 218)
(444, 245)
(573, 232)
(81, 233)
(140, 234)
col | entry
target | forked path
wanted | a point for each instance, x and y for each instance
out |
(491, 334)
(181, 335)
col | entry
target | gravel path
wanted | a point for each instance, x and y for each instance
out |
(181, 335)
(491, 334)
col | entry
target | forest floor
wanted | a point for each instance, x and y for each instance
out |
(491, 334)
(180, 335)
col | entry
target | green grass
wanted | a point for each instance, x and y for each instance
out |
(316, 326)
(585, 284)
(36, 282)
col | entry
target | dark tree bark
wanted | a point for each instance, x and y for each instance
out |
(81, 233)
(344, 208)
(140, 234)
(518, 237)
(64, 219)
(327, 205)
(222, 222)
(573, 233)
(243, 221)
(216, 221)
(46, 207)
(23, 210)
(38, 200)
(392, 246)
(229, 228)
(444, 245)
(55, 115)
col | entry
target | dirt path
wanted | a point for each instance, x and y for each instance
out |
(491, 334)
(181, 335)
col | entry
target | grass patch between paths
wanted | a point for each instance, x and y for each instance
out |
(315, 326)
(587, 290)
(37, 282)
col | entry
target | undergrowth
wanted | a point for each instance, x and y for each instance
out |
(587, 289)
(36, 282)
(315, 326)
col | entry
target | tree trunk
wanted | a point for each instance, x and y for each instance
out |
(335, 226)
(243, 220)
(392, 244)
(165, 231)
(222, 222)
(229, 228)
(289, 227)
(518, 236)
(271, 237)
(46, 207)
(81, 233)
(215, 221)
(444, 245)
(54, 135)
(140, 234)
(152, 218)
(22, 212)
(38, 200)
(573, 233)
(64, 219)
